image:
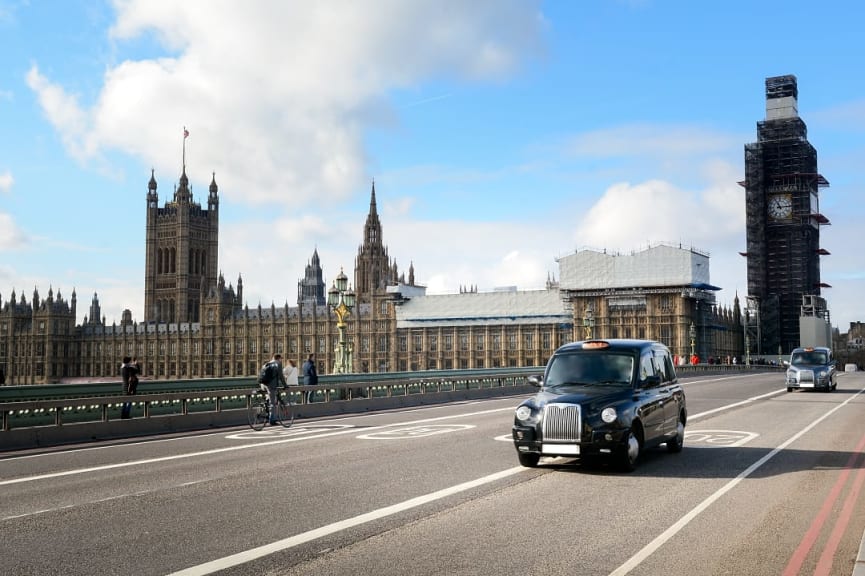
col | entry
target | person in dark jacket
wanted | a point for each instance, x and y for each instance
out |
(129, 371)
(310, 374)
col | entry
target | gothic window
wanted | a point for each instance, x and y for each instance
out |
(464, 342)
(418, 341)
(479, 342)
(665, 303)
(364, 344)
(529, 341)
(546, 339)
(403, 343)
(433, 343)
(512, 341)
(449, 344)
(382, 344)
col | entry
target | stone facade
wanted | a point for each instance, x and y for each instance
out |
(197, 326)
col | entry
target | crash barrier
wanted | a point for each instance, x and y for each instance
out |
(59, 414)
(34, 416)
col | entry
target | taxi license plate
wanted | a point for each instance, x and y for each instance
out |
(560, 449)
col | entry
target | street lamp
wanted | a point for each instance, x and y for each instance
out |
(588, 323)
(692, 333)
(340, 299)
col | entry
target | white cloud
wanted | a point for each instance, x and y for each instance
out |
(280, 105)
(11, 236)
(6, 181)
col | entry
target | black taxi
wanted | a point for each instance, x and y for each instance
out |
(608, 398)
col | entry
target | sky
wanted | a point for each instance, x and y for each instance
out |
(501, 135)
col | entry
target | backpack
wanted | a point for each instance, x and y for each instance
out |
(268, 373)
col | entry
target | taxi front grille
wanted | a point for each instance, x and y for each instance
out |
(562, 422)
(803, 376)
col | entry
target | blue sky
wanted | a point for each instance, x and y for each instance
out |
(501, 135)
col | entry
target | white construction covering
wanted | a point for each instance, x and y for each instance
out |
(481, 308)
(657, 266)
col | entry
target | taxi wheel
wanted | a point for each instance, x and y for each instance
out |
(630, 452)
(675, 445)
(529, 459)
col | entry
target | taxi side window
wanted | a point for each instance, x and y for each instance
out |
(647, 366)
(665, 366)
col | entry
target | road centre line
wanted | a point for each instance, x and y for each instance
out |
(736, 404)
(298, 539)
(661, 539)
(235, 448)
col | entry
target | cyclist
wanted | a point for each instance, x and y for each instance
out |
(273, 369)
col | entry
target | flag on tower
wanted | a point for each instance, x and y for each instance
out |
(185, 132)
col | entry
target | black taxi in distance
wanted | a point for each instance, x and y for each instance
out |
(608, 398)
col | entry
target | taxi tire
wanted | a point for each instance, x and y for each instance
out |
(630, 452)
(675, 445)
(529, 459)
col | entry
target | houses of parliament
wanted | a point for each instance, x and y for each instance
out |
(198, 326)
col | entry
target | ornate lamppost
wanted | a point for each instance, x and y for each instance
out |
(692, 334)
(588, 323)
(747, 340)
(340, 299)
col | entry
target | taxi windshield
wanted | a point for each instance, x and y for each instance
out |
(807, 358)
(590, 369)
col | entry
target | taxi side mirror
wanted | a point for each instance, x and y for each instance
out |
(535, 381)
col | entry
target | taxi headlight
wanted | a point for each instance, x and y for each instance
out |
(608, 415)
(523, 413)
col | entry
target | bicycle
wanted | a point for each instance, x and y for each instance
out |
(259, 409)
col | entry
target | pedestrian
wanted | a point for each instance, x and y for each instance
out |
(272, 378)
(310, 374)
(290, 373)
(129, 370)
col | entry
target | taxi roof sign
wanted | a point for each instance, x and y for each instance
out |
(595, 345)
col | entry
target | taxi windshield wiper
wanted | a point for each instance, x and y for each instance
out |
(571, 383)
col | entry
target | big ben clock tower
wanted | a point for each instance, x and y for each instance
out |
(782, 221)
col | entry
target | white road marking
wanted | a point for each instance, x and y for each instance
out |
(291, 542)
(235, 448)
(652, 546)
(718, 438)
(411, 432)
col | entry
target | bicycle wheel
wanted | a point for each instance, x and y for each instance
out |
(257, 412)
(285, 411)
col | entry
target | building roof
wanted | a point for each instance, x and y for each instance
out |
(483, 308)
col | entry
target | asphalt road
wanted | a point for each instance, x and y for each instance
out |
(768, 483)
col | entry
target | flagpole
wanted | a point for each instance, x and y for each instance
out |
(185, 134)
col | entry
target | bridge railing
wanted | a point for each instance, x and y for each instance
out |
(53, 414)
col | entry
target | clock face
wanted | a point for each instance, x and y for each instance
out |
(780, 206)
